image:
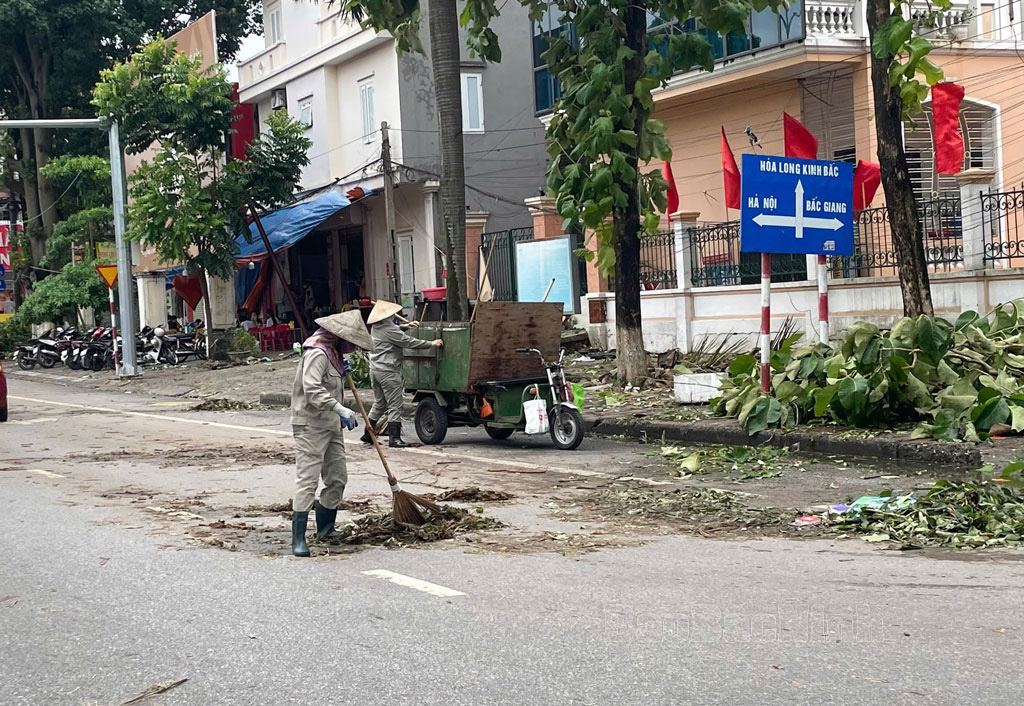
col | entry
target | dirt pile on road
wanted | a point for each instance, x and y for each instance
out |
(379, 529)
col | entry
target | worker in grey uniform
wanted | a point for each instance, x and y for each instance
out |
(386, 369)
(318, 418)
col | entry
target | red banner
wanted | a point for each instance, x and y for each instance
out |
(949, 143)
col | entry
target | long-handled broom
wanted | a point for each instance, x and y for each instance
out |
(406, 507)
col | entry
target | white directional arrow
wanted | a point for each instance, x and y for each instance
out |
(798, 221)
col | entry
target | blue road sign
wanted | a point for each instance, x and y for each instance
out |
(796, 206)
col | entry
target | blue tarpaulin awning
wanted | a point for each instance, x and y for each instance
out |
(287, 226)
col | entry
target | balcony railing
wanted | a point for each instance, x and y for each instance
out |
(336, 26)
(262, 65)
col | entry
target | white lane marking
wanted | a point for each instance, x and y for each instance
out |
(513, 464)
(44, 472)
(40, 420)
(161, 417)
(409, 582)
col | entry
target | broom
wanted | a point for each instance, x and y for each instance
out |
(406, 508)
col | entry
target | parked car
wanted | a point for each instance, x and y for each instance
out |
(3, 394)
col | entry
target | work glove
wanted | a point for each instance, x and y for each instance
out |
(345, 367)
(348, 417)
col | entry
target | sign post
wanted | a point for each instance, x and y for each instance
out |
(109, 275)
(794, 206)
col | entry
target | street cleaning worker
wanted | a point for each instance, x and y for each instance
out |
(318, 416)
(386, 369)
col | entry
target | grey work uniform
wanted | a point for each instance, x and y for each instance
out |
(386, 368)
(319, 441)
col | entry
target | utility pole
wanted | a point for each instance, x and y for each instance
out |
(389, 212)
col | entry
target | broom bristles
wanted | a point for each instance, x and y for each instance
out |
(406, 508)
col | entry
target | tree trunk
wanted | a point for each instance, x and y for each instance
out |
(445, 62)
(47, 195)
(899, 191)
(204, 287)
(631, 359)
(33, 226)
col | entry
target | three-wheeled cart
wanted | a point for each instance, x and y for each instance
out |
(488, 369)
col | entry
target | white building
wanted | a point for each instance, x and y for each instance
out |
(343, 81)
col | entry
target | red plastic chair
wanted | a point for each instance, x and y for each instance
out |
(282, 337)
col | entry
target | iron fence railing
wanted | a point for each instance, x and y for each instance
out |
(1002, 217)
(502, 271)
(874, 255)
(658, 261)
(716, 260)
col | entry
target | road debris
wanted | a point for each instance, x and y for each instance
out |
(378, 529)
(153, 691)
(966, 514)
(220, 404)
(472, 494)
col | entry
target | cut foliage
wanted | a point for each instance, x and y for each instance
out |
(955, 380)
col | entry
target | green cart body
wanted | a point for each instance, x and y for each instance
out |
(478, 366)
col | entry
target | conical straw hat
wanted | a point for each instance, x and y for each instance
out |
(383, 310)
(349, 326)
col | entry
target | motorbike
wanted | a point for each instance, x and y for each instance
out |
(25, 355)
(173, 348)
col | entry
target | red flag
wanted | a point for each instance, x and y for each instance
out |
(188, 289)
(866, 178)
(672, 193)
(949, 143)
(799, 140)
(731, 175)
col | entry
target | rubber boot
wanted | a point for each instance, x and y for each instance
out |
(395, 434)
(299, 522)
(325, 522)
(365, 438)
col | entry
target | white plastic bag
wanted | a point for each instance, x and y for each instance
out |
(536, 411)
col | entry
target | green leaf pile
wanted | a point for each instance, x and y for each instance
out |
(987, 512)
(957, 381)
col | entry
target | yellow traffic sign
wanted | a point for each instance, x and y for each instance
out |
(108, 273)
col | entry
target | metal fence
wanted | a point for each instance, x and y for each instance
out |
(716, 260)
(658, 261)
(502, 271)
(1002, 217)
(874, 254)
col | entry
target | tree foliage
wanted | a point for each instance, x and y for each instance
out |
(84, 228)
(83, 179)
(51, 53)
(60, 296)
(186, 203)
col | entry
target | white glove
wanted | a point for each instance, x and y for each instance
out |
(347, 416)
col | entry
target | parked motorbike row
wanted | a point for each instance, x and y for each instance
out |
(94, 349)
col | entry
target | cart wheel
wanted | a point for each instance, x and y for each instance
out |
(201, 348)
(566, 428)
(431, 421)
(498, 432)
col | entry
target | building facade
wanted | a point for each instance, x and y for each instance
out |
(812, 60)
(343, 82)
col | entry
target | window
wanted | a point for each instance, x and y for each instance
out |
(768, 28)
(366, 105)
(978, 130)
(406, 272)
(275, 27)
(472, 103)
(306, 112)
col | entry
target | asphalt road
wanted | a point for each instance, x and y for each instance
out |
(100, 599)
